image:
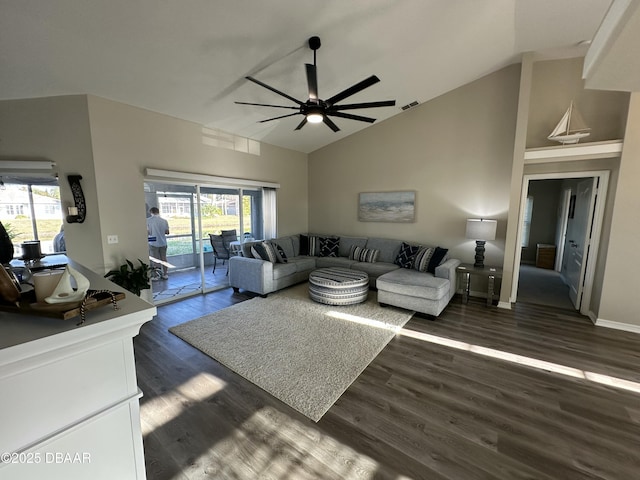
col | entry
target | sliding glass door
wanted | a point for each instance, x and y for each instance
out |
(194, 212)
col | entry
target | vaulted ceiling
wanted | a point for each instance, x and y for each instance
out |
(188, 58)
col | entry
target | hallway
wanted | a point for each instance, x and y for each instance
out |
(543, 286)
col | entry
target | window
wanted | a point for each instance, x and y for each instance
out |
(30, 210)
(526, 223)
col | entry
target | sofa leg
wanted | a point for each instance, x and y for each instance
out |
(236, 290)
(383, 305)
(426, 316)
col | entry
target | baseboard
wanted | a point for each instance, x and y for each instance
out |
(627, 327)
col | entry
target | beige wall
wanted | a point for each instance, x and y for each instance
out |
(57, 129)
(620, 301)
(116, 141)
(455, 151)
(554, 84)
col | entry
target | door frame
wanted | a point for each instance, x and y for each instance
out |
(596, 229)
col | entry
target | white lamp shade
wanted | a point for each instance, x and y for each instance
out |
(481, 229)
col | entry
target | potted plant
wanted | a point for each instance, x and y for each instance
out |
(134, 279)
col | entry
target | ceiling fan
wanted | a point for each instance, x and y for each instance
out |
(316, 110)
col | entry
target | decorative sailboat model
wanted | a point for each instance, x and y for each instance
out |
(571, 127)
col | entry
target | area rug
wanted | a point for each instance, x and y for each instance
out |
(304, 353)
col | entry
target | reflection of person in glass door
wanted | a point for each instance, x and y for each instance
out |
(59, 244)
(158, 229)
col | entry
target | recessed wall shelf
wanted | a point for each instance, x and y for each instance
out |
(579, 151)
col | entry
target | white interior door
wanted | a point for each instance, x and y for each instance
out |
(578, 236)
(561, 236)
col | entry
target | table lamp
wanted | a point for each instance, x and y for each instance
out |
(481, 230)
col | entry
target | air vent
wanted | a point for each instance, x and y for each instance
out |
(409, 105)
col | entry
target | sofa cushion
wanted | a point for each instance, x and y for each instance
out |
(323, 262)
(283, 269)
(421, 260)
(436, 259)
(295, 240)
(388, 248)
(360, 254)
(302, 263)
(346, 243)
(287, 245)
(375, 269)
(406, 255)
(329, 246)
(410, 282)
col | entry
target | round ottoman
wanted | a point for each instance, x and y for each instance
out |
(338, 286)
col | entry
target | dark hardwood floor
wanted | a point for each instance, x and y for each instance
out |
(439, 402)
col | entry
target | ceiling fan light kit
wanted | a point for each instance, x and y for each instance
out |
(315, 117)
(316, 110)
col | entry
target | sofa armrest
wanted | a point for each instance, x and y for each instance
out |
(251, 274)
(448, 269)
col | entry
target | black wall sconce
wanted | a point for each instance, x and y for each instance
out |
(78, 212)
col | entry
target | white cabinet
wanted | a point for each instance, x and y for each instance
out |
(68, 394)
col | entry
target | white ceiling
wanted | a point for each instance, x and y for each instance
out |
(188, 58)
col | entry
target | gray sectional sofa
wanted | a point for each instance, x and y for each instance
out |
(298, 255)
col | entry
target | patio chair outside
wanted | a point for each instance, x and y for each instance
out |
(220, 251)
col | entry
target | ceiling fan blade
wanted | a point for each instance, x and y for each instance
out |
(301, 124)
(278, 118)
(268, 87)
(352, 117)
(312, 81)
(267, 105)
(353, 106)
(353, 89)
(327, 121)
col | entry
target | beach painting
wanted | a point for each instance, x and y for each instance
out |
(387, 207)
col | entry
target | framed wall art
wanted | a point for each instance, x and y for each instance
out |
(396, 207)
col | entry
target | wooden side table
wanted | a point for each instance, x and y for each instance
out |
(466, 270)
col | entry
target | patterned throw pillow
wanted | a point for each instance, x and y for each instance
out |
(280, 255)
(360, 254)
(264, 251)
(436, 259)
(314, 246)
(421, 260)
(406, 255)
(329, 246)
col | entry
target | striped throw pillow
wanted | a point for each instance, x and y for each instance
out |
(314, 246)
(360, 254)
(265, 251)
(422, 258)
